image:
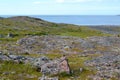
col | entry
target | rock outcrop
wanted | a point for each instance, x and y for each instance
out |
(56, 66)
(108, 49)
(64, 44)
(43, 64)
(15, 58)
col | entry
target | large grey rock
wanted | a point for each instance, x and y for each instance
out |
(4, 58)
(47, 66)
(16, 58)
(38, 62)
(56, 66)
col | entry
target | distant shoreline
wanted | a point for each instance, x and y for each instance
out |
(80, 20)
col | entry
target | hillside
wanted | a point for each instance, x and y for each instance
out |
(20, 26)
(34, 49)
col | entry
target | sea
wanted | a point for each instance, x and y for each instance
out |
(113, 20)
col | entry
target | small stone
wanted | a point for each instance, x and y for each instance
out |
(6, 73)
(31, 76)
(81, 69)
(10, 35)
(48, 78)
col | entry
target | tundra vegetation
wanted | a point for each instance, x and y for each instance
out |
(90, 51)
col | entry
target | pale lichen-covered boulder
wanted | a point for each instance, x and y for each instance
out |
(56, 66)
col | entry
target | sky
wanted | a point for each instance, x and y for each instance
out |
(59, 7)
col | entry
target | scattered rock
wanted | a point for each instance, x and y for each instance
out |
(107, 66)
(43, 64)
(81, 69)
(4, 58)
(6, 73)
(1, 36)
(64, 44)
(48, 78)
(16, 58)
(31, 76)
(10, 35)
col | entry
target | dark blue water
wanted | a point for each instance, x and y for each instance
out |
(82, 19)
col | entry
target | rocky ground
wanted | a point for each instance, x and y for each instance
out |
(34, 49)
(106, 63)
(107, 66)
(41, 64)
(63, 44)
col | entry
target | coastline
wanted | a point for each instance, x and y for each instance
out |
(82, 20)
